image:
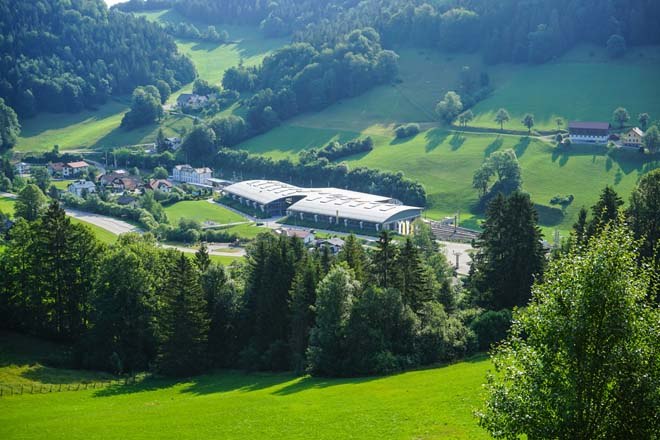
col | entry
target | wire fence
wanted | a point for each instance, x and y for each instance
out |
(7, 390)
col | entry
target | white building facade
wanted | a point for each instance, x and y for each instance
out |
(188, 174)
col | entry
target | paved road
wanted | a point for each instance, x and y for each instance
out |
(110, 224)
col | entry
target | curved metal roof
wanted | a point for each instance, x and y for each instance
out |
(326, 201)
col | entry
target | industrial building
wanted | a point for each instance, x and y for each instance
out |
(325, 206)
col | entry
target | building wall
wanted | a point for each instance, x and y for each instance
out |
(591, 139)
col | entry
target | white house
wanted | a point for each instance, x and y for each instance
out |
(74, 168)
(192, 101)
(589, 132)
(22, 168)
(80, 187)
(306, 236)
(188, 174)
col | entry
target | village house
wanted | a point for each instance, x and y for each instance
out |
(22, 168)
(106, 179)
(81, 187)
(188, 174)
(163, 185)
(589, 132)
(191, 101)
(307, 237)
(173, 143)
(122, 184)
(633, 138)
(127, 200)
(69, 169)
(335, 244)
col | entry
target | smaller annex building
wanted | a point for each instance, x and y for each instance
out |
(589, 132)
(330, 206)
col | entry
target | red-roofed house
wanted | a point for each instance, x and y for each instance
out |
(160, 185)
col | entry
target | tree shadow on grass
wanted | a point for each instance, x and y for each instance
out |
(521, 146)
(434, 138)
(494, 146)
(457, 141)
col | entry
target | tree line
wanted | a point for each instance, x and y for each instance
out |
(133, 306)
(300, 78)
(511, 30)
(67, 56)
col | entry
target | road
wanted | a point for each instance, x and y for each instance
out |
(110, 224)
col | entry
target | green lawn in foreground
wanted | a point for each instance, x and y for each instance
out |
(101, 234)
(202, 211)
(430, 404)
(577, 86)
(224, 260)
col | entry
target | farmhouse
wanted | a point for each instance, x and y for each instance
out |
(589, 132)
(307, 237)
(633, 138)
(81, 187)
(192, 101)
(330, 206)
(22, 168)
(188, 174)
(160, 185)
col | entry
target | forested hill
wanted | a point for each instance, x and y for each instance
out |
(60, 55)
(504, 30)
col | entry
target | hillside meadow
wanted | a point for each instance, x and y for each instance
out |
(436, 403)
(444, 162)
(99, 128)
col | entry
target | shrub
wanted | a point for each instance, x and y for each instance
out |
(491, 327)
(406, 130)
(562, 200)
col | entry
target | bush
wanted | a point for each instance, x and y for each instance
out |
(491, 327)
(562, 200)
(406, 130)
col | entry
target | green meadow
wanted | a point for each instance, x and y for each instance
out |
(99, 129)
(435, 403)
(202, 211)
(444, 162)
(91, 129)
(7, 205)
(582, 85)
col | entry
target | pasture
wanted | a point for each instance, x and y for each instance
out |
(435, 403)
(91, 129)
(99, 129)
(202, 211)
(444, 162)
(581, 85)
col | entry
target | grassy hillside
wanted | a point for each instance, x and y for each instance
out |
(430, 404)
(246, 44)
(100, 128)
(90, 129)
(445, 161)
(582, 85)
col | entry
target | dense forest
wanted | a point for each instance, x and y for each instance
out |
(68, 55)
(509, 30)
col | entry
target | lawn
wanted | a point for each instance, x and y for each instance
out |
(582, 85)
(430, 404)
(90, 129)
(224, 260)
(101, 234)
(202, 211)
(7, 205)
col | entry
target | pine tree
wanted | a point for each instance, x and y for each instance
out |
(606, 210)
(184, 322)
(510, 253)
(301, 306)
(412, 280)
(202, 258)
(383, 260)
(353, 254)
(580, 227)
